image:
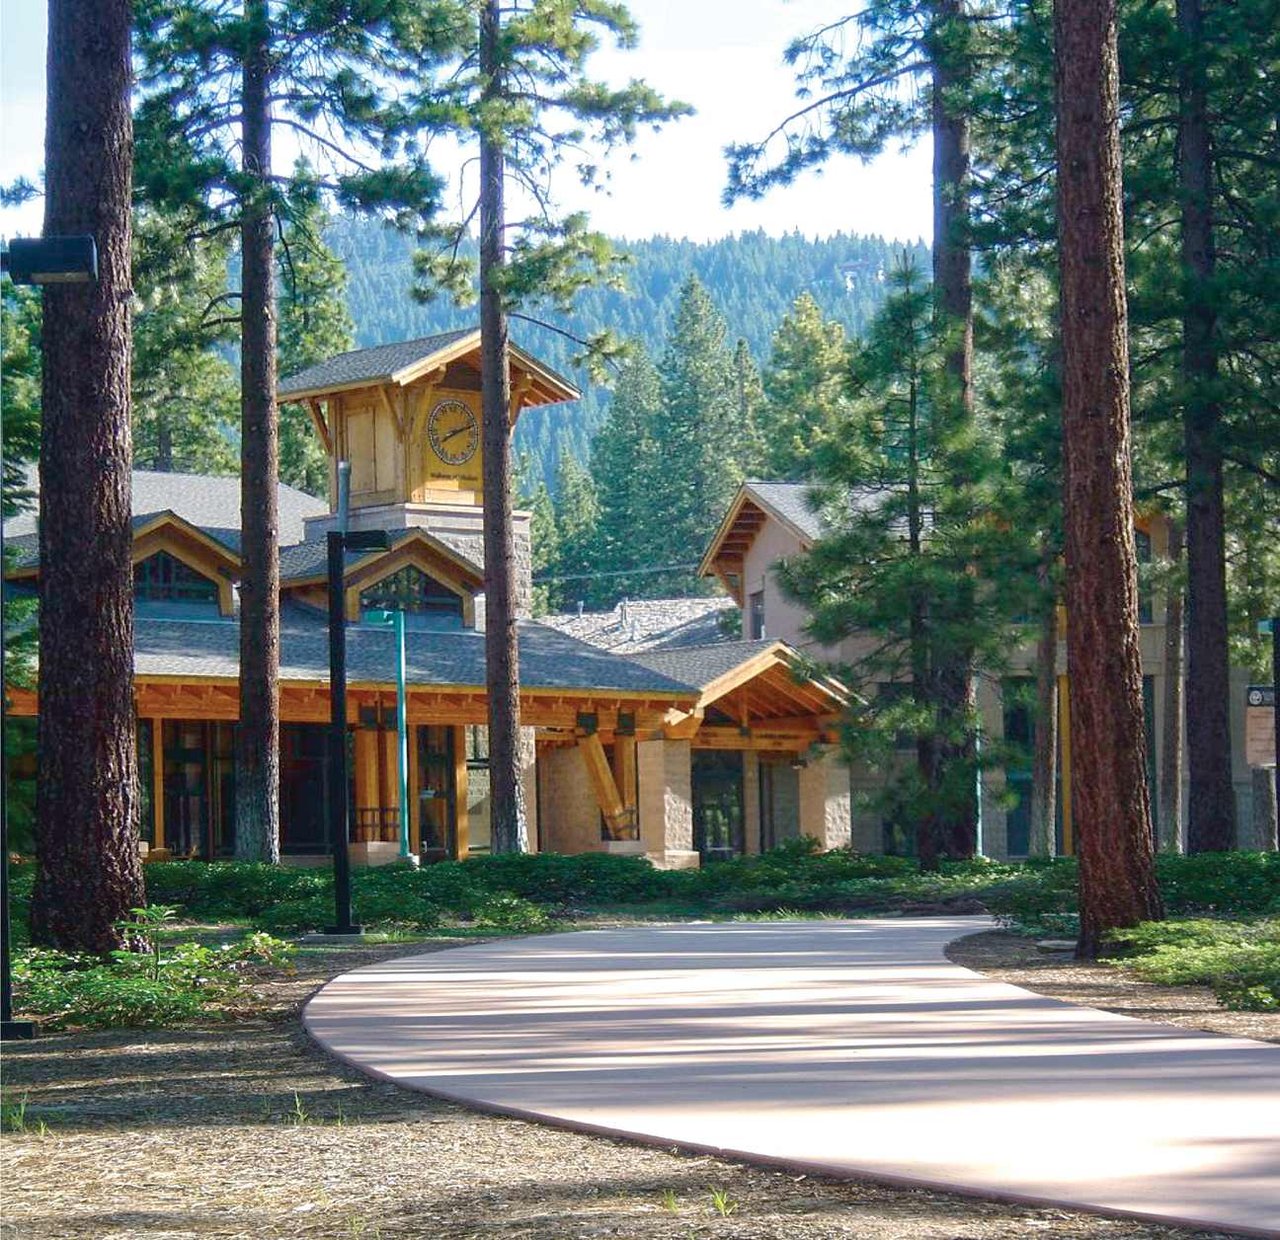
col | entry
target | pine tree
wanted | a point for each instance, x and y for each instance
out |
(806, 383)
(314, 324)
(88, 874)
(216, 83)
(577, 529)
(625, 465)
(910, 567)
(1112, 810)
(184, 389)
(522, 93)
(701, 443)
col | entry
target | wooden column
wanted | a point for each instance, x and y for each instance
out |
(389, 769)
(1064, 731)
(461, 820)
(626, 777)
(367, 782)
(415, 786)
(157, 779)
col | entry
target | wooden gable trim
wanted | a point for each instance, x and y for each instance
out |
(734, 536)
(424, 552)
(194, 548)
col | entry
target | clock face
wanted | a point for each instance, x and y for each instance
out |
(453, 432)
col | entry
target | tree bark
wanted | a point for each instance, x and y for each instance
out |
(89, 874)
(1264, 808)
(1169, 822)
(1112, 811)
(257, 832)
(1044, 764)
(502, 653)
(953, 291)
(1211, 803)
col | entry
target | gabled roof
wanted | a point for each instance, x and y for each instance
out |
(442, 657)
(755, 504)
(211, 504)
(648, 624)
(754, 681)
(401, 363)
(309, 560)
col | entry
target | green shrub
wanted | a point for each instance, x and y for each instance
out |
(1237, 883)
(208, 890)
(1239, 960)
(510, 914)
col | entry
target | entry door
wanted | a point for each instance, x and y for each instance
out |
(437, 793)
(717, 803)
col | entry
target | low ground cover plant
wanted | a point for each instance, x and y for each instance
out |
(162, 983)
(1222, 932)
(1238, 959)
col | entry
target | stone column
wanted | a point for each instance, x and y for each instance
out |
(666, 802)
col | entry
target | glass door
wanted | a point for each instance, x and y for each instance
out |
(437, 795)
(717, 803)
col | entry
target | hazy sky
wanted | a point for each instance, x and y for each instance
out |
(722, 56)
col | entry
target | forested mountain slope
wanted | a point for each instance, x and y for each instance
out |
(752, 280)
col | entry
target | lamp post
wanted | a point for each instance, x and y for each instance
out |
(1272, 627)
(339, 542)
(396, 620)
(28, 260)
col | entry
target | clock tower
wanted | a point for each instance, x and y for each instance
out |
(408, 418)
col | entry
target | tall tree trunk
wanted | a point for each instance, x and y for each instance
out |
(1044, 764)
(502, 652)
(1169, 822)
(258, 736)
(1211, 805)
(1111, 807)
(89, 874)
(953, 290)
(923, 692)
(164, 445)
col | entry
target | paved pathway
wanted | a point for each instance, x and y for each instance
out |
(845, 1047)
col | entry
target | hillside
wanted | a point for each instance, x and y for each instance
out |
(752, 279)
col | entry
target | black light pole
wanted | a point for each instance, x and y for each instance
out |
(338, 543)
(28, 260)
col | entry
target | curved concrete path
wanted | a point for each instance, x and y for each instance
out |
(852, 1048)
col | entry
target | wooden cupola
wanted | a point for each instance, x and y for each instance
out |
(407, 416)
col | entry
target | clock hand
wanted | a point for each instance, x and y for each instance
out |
(453, 434)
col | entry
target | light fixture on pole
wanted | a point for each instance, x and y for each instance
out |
(339, 542)
(396, 620)
(28, 260)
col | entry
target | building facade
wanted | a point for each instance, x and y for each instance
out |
(682, 757)
(771, 522)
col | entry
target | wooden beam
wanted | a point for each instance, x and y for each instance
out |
(461, 817)
(157, 779)
(322, 427)
(607, 796)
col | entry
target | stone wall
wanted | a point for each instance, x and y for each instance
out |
(570, 815)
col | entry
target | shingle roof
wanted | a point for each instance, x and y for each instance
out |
(369, 365)
(548, 659)
(648, 624)
(212, 504)
(701, 665)
(310, 558)
(790, 501)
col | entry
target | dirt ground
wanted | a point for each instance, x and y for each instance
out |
(247, 1130)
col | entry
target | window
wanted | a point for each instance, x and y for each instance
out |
(411, 590)
(163, 578)
(1146, 610)
(755, 615)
